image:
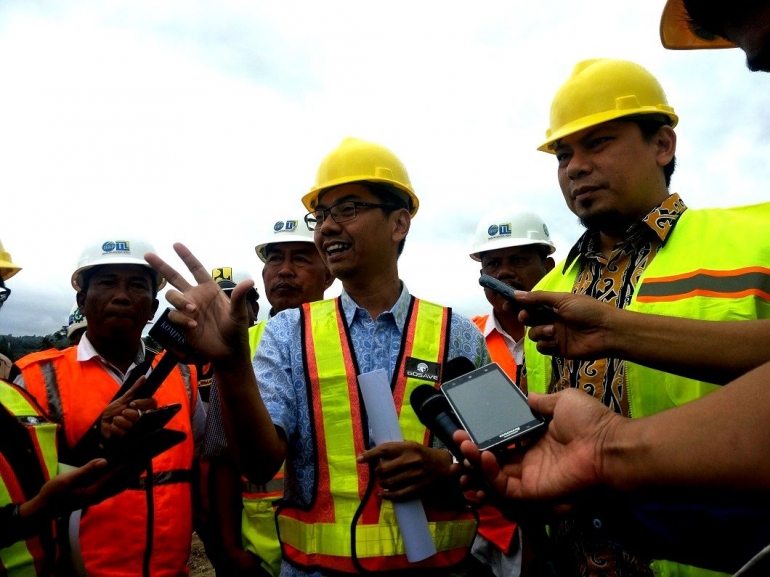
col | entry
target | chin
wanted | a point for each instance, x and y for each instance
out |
(600, 220)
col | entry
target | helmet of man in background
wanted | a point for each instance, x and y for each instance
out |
(76, 321)
(508, 228)
(7, 267)
(117, 250)
(290, 230)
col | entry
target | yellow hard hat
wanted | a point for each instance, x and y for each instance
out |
(7, 268)
(600, 90)
(677, 31)
(356, 160)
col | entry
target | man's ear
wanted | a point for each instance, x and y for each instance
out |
(665, 140)
(80, 299)
(548, 264)
(402, 221)
(155, 304)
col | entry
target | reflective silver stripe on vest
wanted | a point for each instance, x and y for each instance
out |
(52, 392)
(187, 379)
(272, 486)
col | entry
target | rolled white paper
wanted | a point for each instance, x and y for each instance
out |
(383, 422)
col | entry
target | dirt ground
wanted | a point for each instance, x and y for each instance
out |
(199, 564)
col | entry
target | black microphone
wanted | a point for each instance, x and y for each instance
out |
(433, 410)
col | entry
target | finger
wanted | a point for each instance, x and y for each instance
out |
(167, 271)
(144, 404)
(470, 451)
(86, 474)
(551, 299)
(129, 394)
(200, 274)
(544, 404)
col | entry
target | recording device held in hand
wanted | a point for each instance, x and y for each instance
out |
(91, 445)
(491, 408)
(539, 314)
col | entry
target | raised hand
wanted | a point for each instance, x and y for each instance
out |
(564, 461)
(581, 329)
(214, 325)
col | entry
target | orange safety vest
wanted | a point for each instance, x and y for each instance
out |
(27, 461)
(146, 529)
(498, 349)
(347, 528)
(492, 525)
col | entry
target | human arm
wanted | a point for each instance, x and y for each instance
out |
(75, 489)
(216, 327)
(718, 441)
(584, 328)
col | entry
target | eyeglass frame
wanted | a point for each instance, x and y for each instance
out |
(326, 212)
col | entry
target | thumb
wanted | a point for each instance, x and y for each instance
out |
(543, 404)
(548, 298)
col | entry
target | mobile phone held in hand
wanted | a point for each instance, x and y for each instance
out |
(491, 408)
(539, 314)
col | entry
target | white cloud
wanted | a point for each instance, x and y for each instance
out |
(204, 122)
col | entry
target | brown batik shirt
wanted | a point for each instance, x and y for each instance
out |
(612, 280)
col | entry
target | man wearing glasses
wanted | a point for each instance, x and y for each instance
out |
(337, 515)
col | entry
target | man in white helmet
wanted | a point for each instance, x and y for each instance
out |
(514, 247)
(147, 528)
(33, 491)
(293, 273)
(337, 515)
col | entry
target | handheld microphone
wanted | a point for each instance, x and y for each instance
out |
(433, 410)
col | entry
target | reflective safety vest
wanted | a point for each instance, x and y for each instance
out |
(146, 529)
(347, 527)
(258, 531)
(711, 268)
(498, 349)
(493, 526)
(27, 461)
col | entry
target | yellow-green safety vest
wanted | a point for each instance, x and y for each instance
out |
(347, 527)
(36, 555)
(712, 267)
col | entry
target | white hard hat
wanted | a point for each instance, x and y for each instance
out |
(114, 251)
(75, 321)
(293, 230)
(504, 229)
(227, 277)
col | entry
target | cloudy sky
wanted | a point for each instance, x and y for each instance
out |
(204, 122)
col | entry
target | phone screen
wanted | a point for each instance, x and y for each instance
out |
(491, 407)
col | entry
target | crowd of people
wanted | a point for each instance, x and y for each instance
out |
(651, 367)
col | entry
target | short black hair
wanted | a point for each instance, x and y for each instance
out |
(88, 273)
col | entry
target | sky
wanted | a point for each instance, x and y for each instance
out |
(204, 122)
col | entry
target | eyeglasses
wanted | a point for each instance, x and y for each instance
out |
(341, 212)
(5, 292)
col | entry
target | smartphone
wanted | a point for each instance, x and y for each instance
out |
(540, 314)
(491, 408)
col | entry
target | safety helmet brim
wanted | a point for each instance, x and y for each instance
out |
(508, 243)
(284, 231)
(77, 276)
(676, 32)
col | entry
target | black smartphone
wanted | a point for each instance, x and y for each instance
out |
(491, 408)
(541, 315)
(140, 451)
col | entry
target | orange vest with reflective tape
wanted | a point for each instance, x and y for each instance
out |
(145, 530)
(492, 525)
(347, 527)
(27, 461)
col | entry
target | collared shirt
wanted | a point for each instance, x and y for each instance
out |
(281, 376)
(613, 280)
(516, 347)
